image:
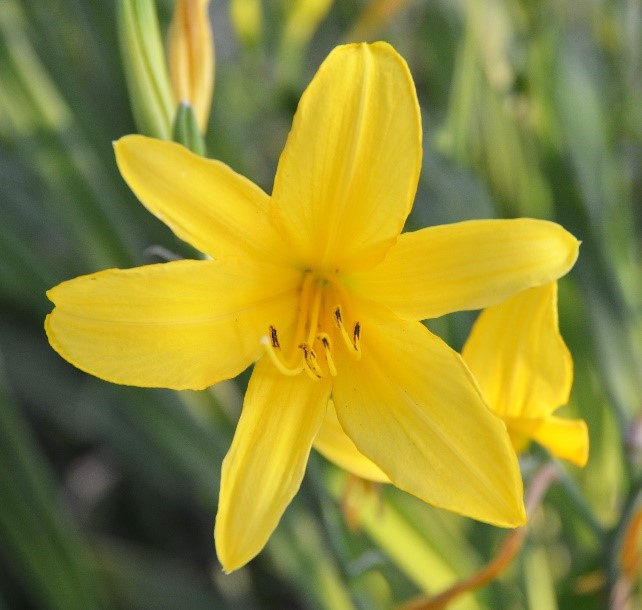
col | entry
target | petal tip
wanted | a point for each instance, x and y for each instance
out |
(230, 561)
(126, 141)
(513, 514)
(522, 517)
(580, 457)
(573, 247)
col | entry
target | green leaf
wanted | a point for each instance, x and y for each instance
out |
(145, 67)
(38, 543)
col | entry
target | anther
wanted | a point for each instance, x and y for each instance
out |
(312, 366)
(273, 349)
(356, 336)
(274, 337)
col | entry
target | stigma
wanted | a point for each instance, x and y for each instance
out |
(320, 327)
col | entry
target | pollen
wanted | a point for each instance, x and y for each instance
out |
(320, 325)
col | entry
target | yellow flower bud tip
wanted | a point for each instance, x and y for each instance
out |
(247, 20)
(303, 20)
(191, 57)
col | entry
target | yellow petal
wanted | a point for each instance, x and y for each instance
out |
(204, 202)
(412, 407)
(565, 438)
(335, 445)
(266, 462)
(467, 265)
(185, 324)
(191, 57)
(518, 356)
(348, 174)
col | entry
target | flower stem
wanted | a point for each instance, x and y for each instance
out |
(508, 550)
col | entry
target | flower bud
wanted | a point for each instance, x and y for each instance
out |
(191, 57)
(186, 131)
(247, 20)
(303, 20)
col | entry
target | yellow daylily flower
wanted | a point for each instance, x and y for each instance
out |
(316, 285)
(525, 372)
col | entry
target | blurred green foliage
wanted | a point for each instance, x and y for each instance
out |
(108, 494)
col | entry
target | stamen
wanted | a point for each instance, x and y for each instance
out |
(354, 344)
(310, 359)
(299, 354)
(327, 352)
(273, 350)
(314, 315)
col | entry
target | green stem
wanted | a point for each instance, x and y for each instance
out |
(576, 496)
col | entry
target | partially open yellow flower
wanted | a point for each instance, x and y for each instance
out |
(191, 57)
(525, 372)
(317, 286)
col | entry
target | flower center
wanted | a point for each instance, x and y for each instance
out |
(320, 323)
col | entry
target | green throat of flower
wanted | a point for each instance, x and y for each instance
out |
(320, 324)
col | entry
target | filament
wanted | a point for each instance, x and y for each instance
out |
(273, 349)
(314, 316)
(327, 352)
(313, 313)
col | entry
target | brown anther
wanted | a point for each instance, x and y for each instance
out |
(337, 315)
(274, 337)
(357, 333)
